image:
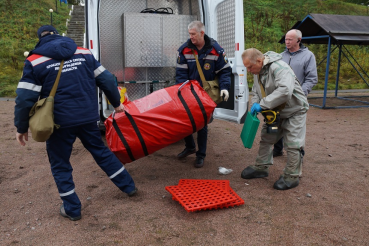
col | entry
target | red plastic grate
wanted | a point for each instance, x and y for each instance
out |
(197, 194)
(222, 183)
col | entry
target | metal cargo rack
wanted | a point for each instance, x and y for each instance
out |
(142, 47)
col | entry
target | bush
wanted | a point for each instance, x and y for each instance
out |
(19, 23)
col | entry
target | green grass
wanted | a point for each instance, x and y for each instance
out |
(19, 21)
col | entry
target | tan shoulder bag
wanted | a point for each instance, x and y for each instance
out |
(211, 87)
(41, 116)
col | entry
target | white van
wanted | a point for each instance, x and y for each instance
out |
(137, 41)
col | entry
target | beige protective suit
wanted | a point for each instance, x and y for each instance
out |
(281, 86)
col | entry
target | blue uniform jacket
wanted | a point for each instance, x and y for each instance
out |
(212, 59)
(76, 97)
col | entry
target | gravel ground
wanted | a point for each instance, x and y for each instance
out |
(329, 207)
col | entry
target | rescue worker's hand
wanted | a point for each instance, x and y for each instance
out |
(255, 108)
(119, 109)
(19, 137)
(225, 93)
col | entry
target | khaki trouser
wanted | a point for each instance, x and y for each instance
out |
(293, 130)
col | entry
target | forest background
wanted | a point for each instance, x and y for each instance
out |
(266, 21)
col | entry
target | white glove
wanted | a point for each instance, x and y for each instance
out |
(225, 93)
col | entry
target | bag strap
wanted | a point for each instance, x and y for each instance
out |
(138, 133)
(204, 82)
(56, 83)
(188, 111)
(280, 107)
(201, 105)
(124, 141)
(261, 87)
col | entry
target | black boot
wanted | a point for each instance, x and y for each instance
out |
(186, 152)
(199, 162)
(285, 183)
(277, 153)
(252, 172)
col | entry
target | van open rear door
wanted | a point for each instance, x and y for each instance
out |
(224, 22)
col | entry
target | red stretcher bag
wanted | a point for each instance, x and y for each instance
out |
(158, 120)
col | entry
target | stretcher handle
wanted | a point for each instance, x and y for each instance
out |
(184, 83)
(113, 114)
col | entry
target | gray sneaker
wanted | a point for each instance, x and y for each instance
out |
(64, 214)
(252, 172)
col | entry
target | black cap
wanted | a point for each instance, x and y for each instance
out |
(46, 28)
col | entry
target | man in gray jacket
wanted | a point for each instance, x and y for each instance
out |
(276, 86)
(302, 61)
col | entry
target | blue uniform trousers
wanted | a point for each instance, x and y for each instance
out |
(202, 138)
(59, 148)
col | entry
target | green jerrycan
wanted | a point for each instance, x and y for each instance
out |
(250, 127)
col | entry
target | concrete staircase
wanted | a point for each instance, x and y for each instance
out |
(76, 25)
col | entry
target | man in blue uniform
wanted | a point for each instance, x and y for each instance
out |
(213, 62)
(75, 110)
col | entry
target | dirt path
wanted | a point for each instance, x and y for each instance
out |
(329, 207)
